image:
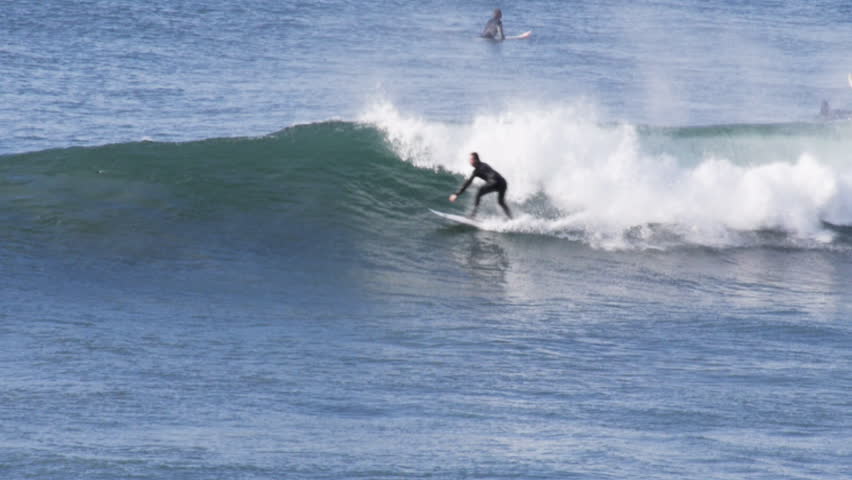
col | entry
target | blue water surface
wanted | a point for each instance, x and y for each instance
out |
(166, 311)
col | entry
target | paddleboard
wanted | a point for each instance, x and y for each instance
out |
(529, 33)
(456, 218)
(850, 79)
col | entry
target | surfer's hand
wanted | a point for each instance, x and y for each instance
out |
(453, 197)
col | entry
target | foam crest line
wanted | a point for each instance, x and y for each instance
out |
(703, 186)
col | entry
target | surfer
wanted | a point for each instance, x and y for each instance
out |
(494, 182)
(494, 28)
(828, 113)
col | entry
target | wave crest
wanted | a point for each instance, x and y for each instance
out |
(612, 181)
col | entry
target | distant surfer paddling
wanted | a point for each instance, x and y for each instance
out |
(827, 113)
(494, 28)
(494, 182)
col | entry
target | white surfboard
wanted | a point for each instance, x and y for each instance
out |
(456, 218)
(521, 36)
(850, 79)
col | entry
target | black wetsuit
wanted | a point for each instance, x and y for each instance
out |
(493, 29)
(494, 182)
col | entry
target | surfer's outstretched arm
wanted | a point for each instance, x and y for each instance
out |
(466, 184)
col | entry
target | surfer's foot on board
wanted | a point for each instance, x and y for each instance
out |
(509, 216)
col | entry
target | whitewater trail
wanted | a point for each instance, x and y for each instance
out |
(616, 191)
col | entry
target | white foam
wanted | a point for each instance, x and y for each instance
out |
(620, 196)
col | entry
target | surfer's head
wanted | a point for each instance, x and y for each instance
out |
(474, 159)
(498, 13)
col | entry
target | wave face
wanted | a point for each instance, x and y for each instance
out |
(609, 186)
(144, 198)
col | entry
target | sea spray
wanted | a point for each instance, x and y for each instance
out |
(610, 186)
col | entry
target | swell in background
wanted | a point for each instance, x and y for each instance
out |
(113, 71)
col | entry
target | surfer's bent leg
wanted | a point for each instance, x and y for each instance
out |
(501, 199)
(486, 189)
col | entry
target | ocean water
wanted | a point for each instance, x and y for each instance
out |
(217, 258)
